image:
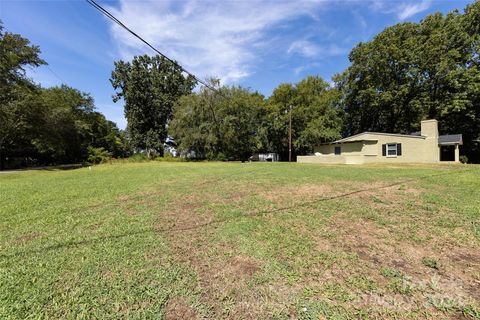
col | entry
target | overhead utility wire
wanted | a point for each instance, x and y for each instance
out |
(113, 18)
(55, 75)
(120, 23)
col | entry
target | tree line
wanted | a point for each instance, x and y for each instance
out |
(406, 73)
(415, 71)
(47, 126)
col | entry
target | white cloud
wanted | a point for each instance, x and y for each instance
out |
(305, 48)
(402, 10)
(360, 19)
(309, 49)
(209, 38)
(300, 69)
(377, 5)
(407, 10)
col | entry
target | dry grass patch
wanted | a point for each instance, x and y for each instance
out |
(27, 237)
(241, 241)
(227, 277)
(410, 284)
(178, 308)
(305, 192)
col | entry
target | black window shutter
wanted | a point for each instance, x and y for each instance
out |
(384, 150)
(399, 149)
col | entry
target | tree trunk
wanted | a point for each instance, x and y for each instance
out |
(2, 162)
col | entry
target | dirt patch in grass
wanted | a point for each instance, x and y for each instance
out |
(244, 265)
(226, 276)
(27, 237)
(134, 205)
(178, 308)
(416, 285)
(383, 194)
(303, 192)
(95, 226)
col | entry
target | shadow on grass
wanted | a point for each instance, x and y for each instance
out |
(46, 168)
(74, 243)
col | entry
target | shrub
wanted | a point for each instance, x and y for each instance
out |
(170, 158)
(217, 156)
(138, 157)
(98, 155)
(463, 159)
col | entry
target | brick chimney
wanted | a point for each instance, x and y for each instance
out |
(431, 150)
(429, 128)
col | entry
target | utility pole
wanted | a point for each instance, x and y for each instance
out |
(290, 134)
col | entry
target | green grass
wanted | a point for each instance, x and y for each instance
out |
(229, 240)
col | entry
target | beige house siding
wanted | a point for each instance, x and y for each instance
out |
(431, 150)
(367, 148)
(352, 148)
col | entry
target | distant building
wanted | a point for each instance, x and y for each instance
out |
(265, 157)
(426, 146)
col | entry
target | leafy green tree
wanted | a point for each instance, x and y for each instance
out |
(414, 71)
(377, 87)
(315, 116)
(70, 126)
(193, 127)
(65, 133)
(149, 86)
(16, 53)
(278, 106)
(218, 125)
(46, 126)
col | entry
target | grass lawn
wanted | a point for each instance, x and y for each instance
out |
(241, 241)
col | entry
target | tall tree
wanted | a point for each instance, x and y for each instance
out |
(414, 71)
(218, 125)
(67, 125)
(278, 105)
(317, 111)
(16, 53)
(149, 86)
(315, 115)
(46, 126)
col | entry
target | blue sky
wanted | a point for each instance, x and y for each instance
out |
(256, 44)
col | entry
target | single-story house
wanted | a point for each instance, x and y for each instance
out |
(426, 146)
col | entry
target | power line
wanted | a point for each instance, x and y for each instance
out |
(121, 24)
(55, 74)
(52, 72)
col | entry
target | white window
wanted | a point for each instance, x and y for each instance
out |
(391, 150)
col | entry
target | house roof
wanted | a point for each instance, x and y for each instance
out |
(351, 138)
(444, 140)
(350, 141)
(450, 139)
